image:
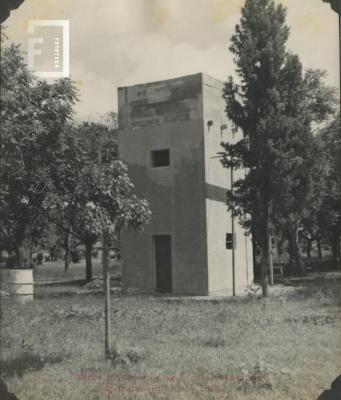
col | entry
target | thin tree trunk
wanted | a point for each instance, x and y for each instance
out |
(266, 259)
(297, 253)
(335, 250)
(88, 260)
(30, 257)
(279, 247)
(319, 249)
(256, 274)
(291, 258)
(271, 264)
(106, 289)
(309, 248)
(18, 256)
(265, 271)
(67, 240)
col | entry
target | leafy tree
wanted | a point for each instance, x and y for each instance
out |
(275, 106)
(98, 141)
(259, 49)
(33, 117)
(92, 197)
(299, 172)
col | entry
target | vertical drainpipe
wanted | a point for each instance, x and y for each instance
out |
(233, 235)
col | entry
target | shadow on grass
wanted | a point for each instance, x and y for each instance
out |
(72, 288)
(319, 279)
(323, 287)
(73, 282)
(27, 362)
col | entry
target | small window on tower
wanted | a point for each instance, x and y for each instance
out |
(231, 244)
(160, 158)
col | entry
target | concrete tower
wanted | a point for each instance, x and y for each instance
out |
(169, 135)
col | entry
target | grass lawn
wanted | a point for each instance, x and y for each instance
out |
(285, 347)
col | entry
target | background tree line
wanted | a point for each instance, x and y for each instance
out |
(61, 180)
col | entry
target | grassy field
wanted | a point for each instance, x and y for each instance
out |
(286, 347)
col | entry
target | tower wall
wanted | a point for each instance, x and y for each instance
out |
(218, 180)
(166, 115)
(188, 197)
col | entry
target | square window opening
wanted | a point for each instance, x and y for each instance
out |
(160, 158)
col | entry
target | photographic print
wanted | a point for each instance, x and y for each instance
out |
(170, 208)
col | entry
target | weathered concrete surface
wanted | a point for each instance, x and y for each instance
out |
(187, 197)
(169, 191)
(160, 102)
(216, 177)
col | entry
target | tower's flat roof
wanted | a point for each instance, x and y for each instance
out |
(203, 77)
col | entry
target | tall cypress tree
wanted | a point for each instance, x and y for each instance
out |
(258, 45)
(274, 105)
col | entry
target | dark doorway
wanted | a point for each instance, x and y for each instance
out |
(163, 263)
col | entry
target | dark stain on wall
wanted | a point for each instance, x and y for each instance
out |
(160, 102)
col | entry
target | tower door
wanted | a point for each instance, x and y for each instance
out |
(163, 263)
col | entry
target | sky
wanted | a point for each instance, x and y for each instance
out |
(117, 43)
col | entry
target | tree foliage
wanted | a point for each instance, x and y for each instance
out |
(33, 117)
(54, 171)
(275, 105)
(93, 193)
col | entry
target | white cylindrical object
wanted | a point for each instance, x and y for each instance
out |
(18, 282)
